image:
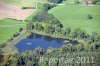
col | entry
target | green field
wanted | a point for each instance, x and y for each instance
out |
(8, 27)
(75, 16)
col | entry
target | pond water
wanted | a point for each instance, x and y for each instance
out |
(33, 41)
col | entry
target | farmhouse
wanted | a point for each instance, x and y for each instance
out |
(86, 2)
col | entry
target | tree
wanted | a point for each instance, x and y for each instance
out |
(63, 32)
(57, 30)
(76, 32)
(63, 49)
(55, 1)
(68, 30)
(36, 26)
(40, 27)
(77, 2)
(1, 56)
(29, 63)
(29, 26)
(49, 50)
(56, 22)
(16, 34)
(47, 7)
(39, 51)
(20, 29)
(40, 16)
(45, 26)
(79, 47)
(89, 16)
(43, 16)
(94, 1)
(50, 29)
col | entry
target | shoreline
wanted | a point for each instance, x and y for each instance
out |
(10, 46)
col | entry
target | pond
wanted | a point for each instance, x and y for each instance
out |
(34, 40)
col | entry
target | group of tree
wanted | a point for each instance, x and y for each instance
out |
(55, 28)
(43, 16)
(32, 58)
(15, 35)
(49, 24)
(77, 1)
(47, 7)
(95, 1)
(56, 1)
(90, 48)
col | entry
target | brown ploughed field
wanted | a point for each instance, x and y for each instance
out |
(11, 11)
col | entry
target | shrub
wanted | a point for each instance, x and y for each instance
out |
(89, 16)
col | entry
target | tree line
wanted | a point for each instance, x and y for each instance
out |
(32, 58)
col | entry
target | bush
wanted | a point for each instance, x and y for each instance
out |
(47, 7)
(55, 1)
(77, 2)
(89, 16)
(20, 29)
(41, 16)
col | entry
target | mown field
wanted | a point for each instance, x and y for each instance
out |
(22, 3)
(8, 27)
(75, 16)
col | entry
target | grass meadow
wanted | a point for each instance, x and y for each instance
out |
(75, 16)
(8, 27)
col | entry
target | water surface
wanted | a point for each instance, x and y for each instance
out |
(35, 40)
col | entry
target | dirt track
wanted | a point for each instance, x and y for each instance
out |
(11, 11)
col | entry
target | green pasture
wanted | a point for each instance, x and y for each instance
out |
(8, 27)
(75, 16)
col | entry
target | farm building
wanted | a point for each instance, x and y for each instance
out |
(87, 2)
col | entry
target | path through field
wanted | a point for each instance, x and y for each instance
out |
(11, 25)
